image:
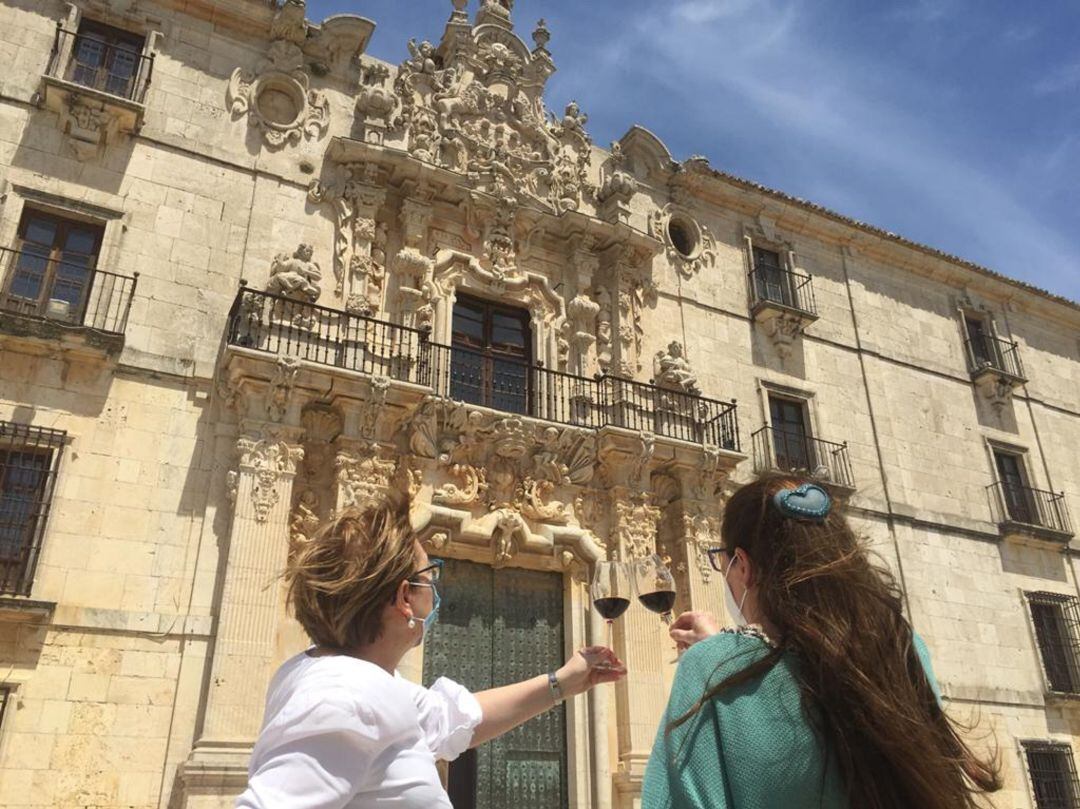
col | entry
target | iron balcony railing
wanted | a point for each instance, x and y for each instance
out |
(989, 352)
(794, 290)
(777, 450)
(66, 290)
(1012, 503)
(325, 336)
(118, 69)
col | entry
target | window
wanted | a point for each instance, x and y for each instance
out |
(1056, 619)
(1053, 775)
(791, 434)
(770, 277)
(5, 695)
(29, 457)
(50, 272)
(979, 342)
(106, 58)
(1016, 495)
(490, 356)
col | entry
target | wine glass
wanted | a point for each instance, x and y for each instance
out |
(610, 590)
(655, 586)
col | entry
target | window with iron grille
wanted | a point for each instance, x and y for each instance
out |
(1053, 775)
(1056, 619)
(29, 457)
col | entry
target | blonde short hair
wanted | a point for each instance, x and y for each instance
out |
(341, 578)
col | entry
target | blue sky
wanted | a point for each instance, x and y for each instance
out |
(952, 122)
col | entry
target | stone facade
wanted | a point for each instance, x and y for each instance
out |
(208, 421)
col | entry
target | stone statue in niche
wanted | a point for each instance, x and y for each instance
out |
(297, 277)
(672, 371)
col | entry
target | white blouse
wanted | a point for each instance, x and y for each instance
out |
(342, 733)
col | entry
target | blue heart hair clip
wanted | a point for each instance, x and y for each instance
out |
(806, 502)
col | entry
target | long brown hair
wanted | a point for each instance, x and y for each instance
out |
(864, 689)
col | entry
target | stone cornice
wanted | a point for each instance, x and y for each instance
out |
(797, 215)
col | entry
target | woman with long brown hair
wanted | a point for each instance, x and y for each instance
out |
(821, 696)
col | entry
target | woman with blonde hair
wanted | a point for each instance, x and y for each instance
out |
(341, 728)
(822, 696)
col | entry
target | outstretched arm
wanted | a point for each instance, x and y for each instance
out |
(511, 705)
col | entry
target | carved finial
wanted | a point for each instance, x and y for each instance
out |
(541, 36)
(460, 5)
(495, 11)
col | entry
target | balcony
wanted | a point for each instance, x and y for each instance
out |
(285, 327)
(782, 451)
(66, 301)
(992, 356)
(775, 290)
(98, 88)
(1024, 513)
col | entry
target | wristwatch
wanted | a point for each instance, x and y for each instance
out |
(555, 688)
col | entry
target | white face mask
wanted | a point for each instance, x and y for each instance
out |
(734, 610)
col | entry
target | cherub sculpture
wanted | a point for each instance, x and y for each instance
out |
(672, 371)
(296, 277)
(423, 57)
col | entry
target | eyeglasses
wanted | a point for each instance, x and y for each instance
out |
(435, 569)
(714, 558)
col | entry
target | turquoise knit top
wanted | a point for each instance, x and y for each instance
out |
(750, 747)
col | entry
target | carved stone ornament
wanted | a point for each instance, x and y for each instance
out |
(89, 125)
(782, 329)
(690, 246)
(269, 460)
(375, 102)
(701, 531)
(356, 191)
(281, 387)
(305, 519)
(475, 105)
(672, 371)
(635, 525)
(363, 477)
(277, 97)
(498, 462)
(997, 390)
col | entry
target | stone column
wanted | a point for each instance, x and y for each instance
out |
(698, 515)
(641, 643)
(245, 638)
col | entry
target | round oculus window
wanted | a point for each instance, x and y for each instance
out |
(683, 234)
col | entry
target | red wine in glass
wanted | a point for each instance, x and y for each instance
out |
(611, 607)
(660, 601)
(610, 590)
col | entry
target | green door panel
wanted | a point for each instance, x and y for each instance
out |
(495, 628)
